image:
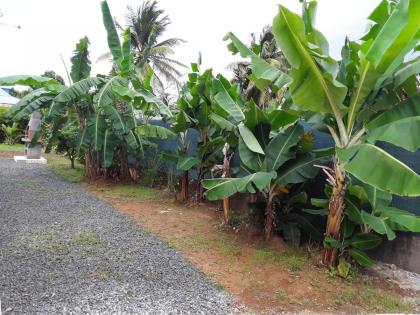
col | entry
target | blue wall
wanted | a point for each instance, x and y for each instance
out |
(322, 140)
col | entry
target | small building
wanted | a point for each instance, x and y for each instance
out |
(6, 100)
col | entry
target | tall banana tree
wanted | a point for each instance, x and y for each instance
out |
(112, 125)
(370, 95)
(83, 106)
(182, 160)
(124, 91)
(269, 145)
(196, 105)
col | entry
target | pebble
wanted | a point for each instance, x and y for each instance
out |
(56, 257)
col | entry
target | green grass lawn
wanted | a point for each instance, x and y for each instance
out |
(12, 147)
(61, 166)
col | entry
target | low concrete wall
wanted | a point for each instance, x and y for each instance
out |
(403, 252)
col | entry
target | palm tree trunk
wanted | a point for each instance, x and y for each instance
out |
(335, 214)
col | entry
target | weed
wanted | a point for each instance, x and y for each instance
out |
(381, 301)
(280, 294)
(174, 242)
(289, 257)
(315, 283)
(258, 285)
(44, 242)
(101, 274)
(26, 182)
(137, 192)
(294, 263)
(219, 285)
(105, 273)
(87, 239)
(130, 293)
(226, 245)
(372, 300)
(48, 276)
(197, 242)
(263, 255)
(194, 242)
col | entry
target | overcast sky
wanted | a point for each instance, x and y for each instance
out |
(51, 27)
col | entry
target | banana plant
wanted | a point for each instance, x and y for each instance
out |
(370, 95)
(183, 162)
(371, 102)
(230, 112)
(272, 157)
(368, 218)
(112, 125)
(196, 105)
(81, 105)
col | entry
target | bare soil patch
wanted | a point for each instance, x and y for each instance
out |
(263, 277)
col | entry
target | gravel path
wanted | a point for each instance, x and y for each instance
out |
(64, 251)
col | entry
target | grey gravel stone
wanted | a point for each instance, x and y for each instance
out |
(64, 251)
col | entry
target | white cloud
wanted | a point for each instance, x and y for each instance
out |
(51, 27)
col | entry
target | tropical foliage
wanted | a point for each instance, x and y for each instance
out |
(104, 105)
(255, 134)
(11, 133)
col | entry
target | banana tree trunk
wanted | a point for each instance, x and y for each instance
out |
(199, 191)
(72, 162)
(124, 169)
(226, 174)
(91, 170)
(336, 212)
(226, 209)
(269, 217)
(184, 186)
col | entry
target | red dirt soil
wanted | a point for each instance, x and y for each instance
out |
(262, 277)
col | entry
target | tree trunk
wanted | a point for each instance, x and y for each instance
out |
(184, 186)
(90, 166)
(226, 209)
(269, 218)
(226, 174)
(124, 169)
(335, 213)
(72, 162)
(134, 173)
(199, 192)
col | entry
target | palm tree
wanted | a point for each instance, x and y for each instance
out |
(147, 24)
(265, 47)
